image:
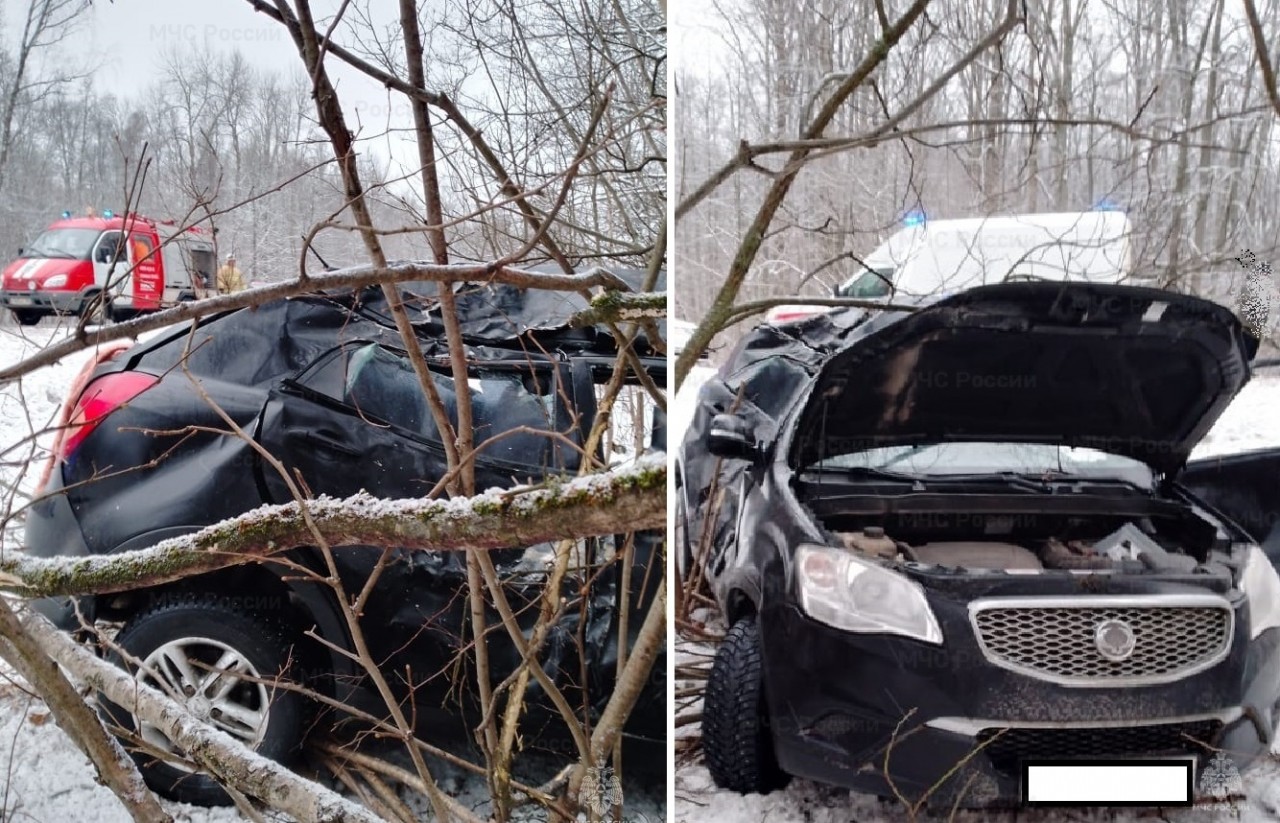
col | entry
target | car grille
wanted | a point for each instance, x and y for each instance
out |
(1008, 747)
(1058, 644)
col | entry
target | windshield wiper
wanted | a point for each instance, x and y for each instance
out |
(1017, 480)
(877, 473)
(32, 252)
(1040, 482)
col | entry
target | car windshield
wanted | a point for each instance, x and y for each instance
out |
(1033, 459)
(871, 283)
(73, 244)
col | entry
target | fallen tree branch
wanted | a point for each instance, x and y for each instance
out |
(114, 766)
(630, 498)
(744, 310)
(618, 307)
(631, 682)
(216, 752)
(352, 277)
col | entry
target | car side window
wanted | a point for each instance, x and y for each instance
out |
(515, 408)
(871, 283)
(109, 247)
(381, 386)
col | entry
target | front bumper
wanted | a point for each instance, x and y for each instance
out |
(62, 302)
(947, 726)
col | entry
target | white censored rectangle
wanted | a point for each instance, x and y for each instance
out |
(1109, 782)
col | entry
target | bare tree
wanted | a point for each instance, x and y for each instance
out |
(572, 173)
(1163, 110)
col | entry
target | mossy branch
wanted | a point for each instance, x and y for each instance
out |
(213, 750)
(621, 307)
(630, 498)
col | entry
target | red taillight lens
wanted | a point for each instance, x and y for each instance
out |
(101, 397)
(790, 314)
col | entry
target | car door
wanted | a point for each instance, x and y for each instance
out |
(145, 279)
(717, 490)
(1246, 488)
(110, 262)
(356, 420)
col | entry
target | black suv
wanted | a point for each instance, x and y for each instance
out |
(966, 537)
(323, 384)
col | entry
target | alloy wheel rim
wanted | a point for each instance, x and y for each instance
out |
(215, 682)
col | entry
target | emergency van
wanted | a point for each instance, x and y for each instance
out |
(142, 264)
(934, 258)
(939, 257)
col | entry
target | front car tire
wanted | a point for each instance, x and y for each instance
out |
(735, 726)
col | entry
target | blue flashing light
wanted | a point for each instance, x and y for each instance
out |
(1107, 204)
(66, 214)
(914, 218)
(107, 214)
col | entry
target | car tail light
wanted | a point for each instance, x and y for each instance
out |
(791, 313)
(99, 399)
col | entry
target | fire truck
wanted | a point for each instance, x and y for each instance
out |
(141, 264)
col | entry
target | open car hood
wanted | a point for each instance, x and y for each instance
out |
(1131, 371)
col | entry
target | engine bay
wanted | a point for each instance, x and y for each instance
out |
(1030, 544)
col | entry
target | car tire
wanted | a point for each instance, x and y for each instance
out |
(735, 730)
(27, 317)
(205, 630)
(93, 309)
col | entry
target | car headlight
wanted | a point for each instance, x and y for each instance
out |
(842, 590)
(57, 281)
(1261, 585)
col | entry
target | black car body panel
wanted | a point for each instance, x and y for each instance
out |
(834, 724)
(321, 382)
(1243, 488)
(835, 698)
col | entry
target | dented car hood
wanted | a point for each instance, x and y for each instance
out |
(1131, 371)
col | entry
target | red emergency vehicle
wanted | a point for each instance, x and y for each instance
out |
(142, 264)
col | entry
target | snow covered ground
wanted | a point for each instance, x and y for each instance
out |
(27, 410)
(1252, 422)
(43, 777)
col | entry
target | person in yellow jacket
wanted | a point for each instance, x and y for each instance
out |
(230, 278)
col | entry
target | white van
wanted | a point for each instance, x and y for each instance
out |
(937, 257)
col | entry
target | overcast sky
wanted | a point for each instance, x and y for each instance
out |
(126, 36)
(123, 41)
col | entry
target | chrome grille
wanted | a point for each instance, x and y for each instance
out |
(1055, 640)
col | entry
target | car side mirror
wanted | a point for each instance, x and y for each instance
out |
(731, 436)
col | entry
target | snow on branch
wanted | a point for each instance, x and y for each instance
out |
(214, 750)
(628, 498)
(351, 277)
(618, 307)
